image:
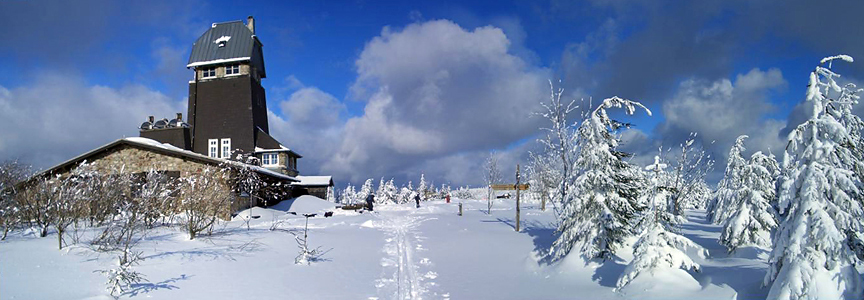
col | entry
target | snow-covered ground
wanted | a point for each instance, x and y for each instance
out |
(397, 252)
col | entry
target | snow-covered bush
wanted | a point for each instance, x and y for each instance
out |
(121, 278)
(491, 175)
(602, 208)
(687, 179)
(204, 198)
(553, 168)
(11, 173)
(35, 201)
(819, 198)
(463, 193)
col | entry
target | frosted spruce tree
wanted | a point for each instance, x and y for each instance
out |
(379, 193)
(751, 215)
(423, 188)
(719, 210)
(659, 245)
(600, 211)
(819, 200)
(349, 195)
(366, 190)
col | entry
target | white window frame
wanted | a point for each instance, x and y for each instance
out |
(229, 70)
(225, 147)
(213, 148)
(205, 71)
(270, 159)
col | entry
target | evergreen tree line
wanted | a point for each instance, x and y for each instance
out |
(805, 209)
(387, 192)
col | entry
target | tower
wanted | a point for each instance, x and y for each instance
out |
(227, 112)
(227, 104)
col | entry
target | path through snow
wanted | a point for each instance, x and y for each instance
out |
(405, 275)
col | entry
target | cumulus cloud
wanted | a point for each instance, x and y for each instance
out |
(57, 117)
(310, 122)
(721, 110)
(432, 90)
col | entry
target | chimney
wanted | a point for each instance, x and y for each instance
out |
(250, 22)
(151, 119)
(180, 117)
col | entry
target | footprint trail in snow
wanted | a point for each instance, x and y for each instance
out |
(406, 274)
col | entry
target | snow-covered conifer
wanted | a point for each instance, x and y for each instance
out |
(422, 189)
(659, 245)
(599, 214)
(349, 195)
(365, 190)
(819, 201)
(719, 209)
(379, 193)
(751, 216)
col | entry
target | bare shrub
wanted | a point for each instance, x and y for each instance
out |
(204, 198)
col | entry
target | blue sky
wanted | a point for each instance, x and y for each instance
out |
(368, 89)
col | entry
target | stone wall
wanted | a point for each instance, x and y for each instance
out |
(135, 160)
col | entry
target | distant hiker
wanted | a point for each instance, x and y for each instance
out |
(417, 199)
(369, 201)
(448, 198)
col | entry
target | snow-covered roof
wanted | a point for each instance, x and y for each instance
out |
(228, 42)
(280, 149)
(156, 145)
(313, 180)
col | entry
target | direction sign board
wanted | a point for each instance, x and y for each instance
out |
(509, 187)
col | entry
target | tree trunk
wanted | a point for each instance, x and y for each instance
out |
(517, 198)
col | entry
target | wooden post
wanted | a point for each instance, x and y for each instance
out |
(517, 197)
(543, 201)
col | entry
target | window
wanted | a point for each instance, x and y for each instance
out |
(208, 73)
(226, 148)
(232, 70)
(269, 159)
(214, 148)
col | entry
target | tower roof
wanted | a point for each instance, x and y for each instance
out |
(228, 42)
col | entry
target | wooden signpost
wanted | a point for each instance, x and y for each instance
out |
(509, 187)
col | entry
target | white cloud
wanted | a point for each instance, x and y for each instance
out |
(58, 117)
(721, 110)
(434, 90)
(310, 123)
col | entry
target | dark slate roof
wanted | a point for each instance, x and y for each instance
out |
(243, 46)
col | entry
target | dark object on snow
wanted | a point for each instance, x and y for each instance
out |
(417, 199)
(370, 200)
(355, 206)
(328, 214)
(505, 196)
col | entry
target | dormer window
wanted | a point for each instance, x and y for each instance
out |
(269, 159)
(232, 70)
(222, 41)
(208, 73)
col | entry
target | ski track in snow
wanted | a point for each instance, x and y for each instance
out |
(403, 275)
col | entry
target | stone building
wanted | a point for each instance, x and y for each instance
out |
(227, 119)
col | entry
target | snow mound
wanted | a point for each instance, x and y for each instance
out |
(256, 212)
(305, 204)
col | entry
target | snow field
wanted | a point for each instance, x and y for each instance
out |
(397, 252)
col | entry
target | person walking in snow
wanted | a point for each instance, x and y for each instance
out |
(417, 199)
(369, 201)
